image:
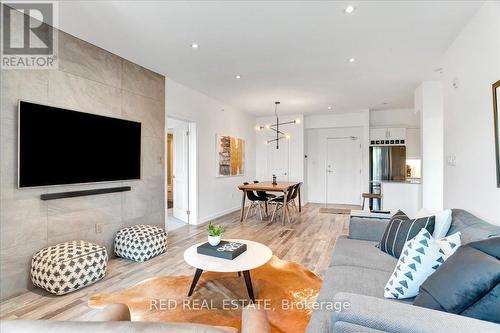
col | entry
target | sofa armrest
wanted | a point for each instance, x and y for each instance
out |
(367, 229)
(254, 320)
(396, 317)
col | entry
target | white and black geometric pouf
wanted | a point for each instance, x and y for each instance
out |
(68, 266)
(140, 242)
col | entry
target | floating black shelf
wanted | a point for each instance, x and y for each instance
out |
(72, 194)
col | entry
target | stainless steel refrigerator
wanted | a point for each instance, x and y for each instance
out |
(386, 163)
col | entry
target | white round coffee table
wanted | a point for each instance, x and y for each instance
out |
(256, 255)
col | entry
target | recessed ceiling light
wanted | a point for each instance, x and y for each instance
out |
(351, 59)
(349, 9)
(237, 77)
(194, 46)
(329, 108)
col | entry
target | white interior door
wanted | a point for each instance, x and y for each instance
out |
(278, 160)
(181, 172)
(343, 171)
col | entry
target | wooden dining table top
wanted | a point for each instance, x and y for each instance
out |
(268, 186)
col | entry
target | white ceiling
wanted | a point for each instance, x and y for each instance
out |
(292, 51)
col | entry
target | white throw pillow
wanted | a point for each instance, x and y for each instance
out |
(442, 221)
(421, 256)
(442, 224)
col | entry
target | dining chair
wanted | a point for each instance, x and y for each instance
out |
(264, 194)
(279, 204)
(295, 190)
(255, 202)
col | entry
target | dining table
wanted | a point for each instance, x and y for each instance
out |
(268, 186)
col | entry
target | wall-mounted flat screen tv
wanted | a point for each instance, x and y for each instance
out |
(58, 146)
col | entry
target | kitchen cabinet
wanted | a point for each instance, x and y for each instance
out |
(397, 133)
(388, 135)
(378, 133)
(402, 195)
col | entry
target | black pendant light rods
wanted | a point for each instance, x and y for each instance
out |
(276, 127)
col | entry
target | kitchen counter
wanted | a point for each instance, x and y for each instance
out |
(407, 181)
(404, 195)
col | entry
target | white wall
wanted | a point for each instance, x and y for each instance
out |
(173, 123)
(216, 195)
(474, 60)
(356, 123)
(296, 147)
(429, 104)
(407, 118)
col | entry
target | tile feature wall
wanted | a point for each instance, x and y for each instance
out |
(92, 80)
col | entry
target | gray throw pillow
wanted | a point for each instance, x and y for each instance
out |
(400, 230)
(468, 283)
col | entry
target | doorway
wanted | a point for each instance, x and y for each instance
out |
(343, 170)
(181, 170)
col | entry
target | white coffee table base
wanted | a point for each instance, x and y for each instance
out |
(255, 256)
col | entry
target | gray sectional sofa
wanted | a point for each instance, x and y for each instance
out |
(359, 271)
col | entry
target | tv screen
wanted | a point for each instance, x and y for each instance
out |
(59, 146)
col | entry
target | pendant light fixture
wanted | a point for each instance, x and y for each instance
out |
(276, 127)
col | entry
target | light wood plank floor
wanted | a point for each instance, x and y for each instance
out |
(309, 239)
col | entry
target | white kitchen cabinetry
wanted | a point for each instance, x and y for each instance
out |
(378, 133)
(402, 195)
(397, 133)
(387, 134)
(413, 143)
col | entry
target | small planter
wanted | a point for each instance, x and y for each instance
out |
(214, 240)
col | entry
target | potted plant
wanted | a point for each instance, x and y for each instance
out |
(214, 234)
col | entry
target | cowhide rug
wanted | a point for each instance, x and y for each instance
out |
(286, 289)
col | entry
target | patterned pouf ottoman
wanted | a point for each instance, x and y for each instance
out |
(140, 242)
(68, 266)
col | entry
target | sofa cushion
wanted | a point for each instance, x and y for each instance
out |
(442, 219)
(421, 257)
(471, 227)
(467, 283)
(360, 253)
(401, 229)
(370, 229)
(349, 279)
(357, 280)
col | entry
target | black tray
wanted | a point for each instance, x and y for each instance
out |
(225, 249)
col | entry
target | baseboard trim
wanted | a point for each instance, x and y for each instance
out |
(217, 215)
(225, 212)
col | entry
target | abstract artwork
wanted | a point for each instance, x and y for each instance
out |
(230, 156)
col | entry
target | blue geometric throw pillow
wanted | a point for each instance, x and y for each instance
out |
(420, 258)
